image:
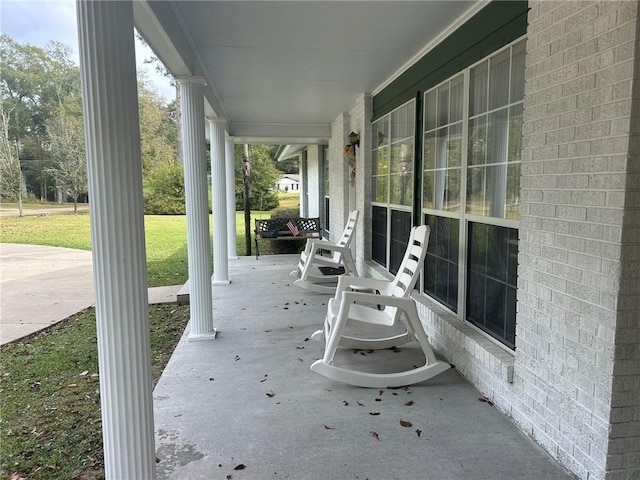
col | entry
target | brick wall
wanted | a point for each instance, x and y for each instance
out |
(338, 181)
(361, 123)
(578, 262)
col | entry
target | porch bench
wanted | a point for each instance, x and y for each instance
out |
(277, 229)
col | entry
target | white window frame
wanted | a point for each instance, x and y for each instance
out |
(387, 203)
(463, 217)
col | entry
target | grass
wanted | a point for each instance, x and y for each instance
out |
(49, 384)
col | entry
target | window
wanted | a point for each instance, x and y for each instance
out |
(392, 185)
(470, 190)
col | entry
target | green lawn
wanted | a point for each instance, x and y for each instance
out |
(50, 426)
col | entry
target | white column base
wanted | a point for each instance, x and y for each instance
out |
(233, 258)
(200, 337)
(220, 282)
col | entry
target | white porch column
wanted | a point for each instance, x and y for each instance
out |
(230, 173)
(114, 170)
(219, 200)
(197, 204)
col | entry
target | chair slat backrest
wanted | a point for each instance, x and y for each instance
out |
(347, 234)
(412, 262)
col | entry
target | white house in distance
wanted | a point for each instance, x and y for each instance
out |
(509, 127)
(289, 182)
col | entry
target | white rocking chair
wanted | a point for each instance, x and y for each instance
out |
(311, 265)
(352, 306)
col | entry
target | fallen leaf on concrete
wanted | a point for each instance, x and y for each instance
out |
(419, 432)
(346, 404)
(409, 403)
(374, 413)
(240, 467)
(236, 358)
(299, 348)
(270, 394)
(375, 435)
(406, 424)
(326, 427)
(360, 404)
(486, 400)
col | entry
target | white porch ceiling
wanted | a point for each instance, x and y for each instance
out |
(281, 71)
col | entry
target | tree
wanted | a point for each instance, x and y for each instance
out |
(263, 179)
(246, 180)
(66, 143)
(11, 178)
(157, 128)
(35, 83)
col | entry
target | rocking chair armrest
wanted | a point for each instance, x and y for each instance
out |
(406, 304)
(314, 244)
(360, 283)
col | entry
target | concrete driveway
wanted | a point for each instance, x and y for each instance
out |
(40, 286)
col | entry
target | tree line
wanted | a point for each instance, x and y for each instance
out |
(42, 149)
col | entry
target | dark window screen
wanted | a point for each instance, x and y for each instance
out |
(492, 272)
(379, 235)
(441, 264)
(400, 231)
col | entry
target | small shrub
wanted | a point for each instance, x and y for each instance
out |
(164, 190)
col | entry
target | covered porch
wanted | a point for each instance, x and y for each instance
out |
(542, 209)
(251, 400)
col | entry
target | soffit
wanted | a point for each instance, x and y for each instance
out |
(285, 70)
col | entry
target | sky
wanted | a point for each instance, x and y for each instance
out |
(39, 22)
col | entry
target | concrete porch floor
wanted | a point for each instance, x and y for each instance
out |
(249, 399)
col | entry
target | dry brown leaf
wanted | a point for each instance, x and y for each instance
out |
(405, 424)
(240, 467)
(409, 403)
(270, 394)
(326, 427)
(375, 435)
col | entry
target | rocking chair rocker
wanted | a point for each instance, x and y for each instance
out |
(353, 305)
(320, 274)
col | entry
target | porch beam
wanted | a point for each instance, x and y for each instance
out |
(219, 201)
(114, 170)
(197, 205)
